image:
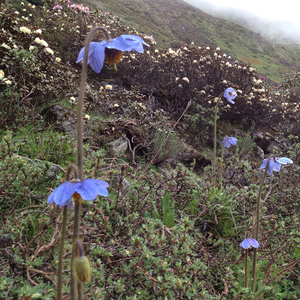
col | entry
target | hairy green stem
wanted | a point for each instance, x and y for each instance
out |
(61, 253)
(257, 225)
(221, 167)
(246, 269)
(215, 145)
(63, 237)
(80, 151)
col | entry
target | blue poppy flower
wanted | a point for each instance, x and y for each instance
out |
(230, 94)
(275, 164)
(229, 141)
(111, 51)
(248, 242)
(87, 189)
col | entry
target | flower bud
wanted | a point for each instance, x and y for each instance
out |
(83, 269)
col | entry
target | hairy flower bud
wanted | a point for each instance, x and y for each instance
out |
(82, 266)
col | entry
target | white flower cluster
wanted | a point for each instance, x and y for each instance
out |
(5, 80)
(41, 42)
(5, 46)
(72, 100)
(49, 50)
(25, 30)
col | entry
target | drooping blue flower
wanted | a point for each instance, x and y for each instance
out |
(275, 164)
(87, 189)
(111, 51)
(230, 94)
(229, 141)
(248, 242)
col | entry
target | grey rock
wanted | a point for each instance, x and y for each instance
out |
(259, 152)
(54, 170)
(63, 120)
(119, 146)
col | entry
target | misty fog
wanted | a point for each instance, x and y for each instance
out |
(276, 30)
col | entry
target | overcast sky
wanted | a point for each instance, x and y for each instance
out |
(268, 10)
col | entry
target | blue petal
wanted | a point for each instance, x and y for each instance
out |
(232, 140)
(254, 243)
(264, 163)
(277, 166)
(227, 143)
(87, 190)
(99, 182)
(68, 203)
(245, 244)
(61, 194)
(248, 242)
(127, 43)
(230, 94)
(270, 167)
(284, 160)
(96, 55)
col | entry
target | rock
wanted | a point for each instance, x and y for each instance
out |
(259, 152)
(62, 119)
(54, 170)
(125, 186)
(118, 146)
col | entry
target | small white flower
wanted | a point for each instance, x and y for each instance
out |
(87, 117)
(8, 82)
(156, 51)
(49, 51)
(207, 48)
(31, 48)
(224, 81)
(58, 59)
(186, 79)
(38, 31)
(217, 49)
(16, 12)
(224, 55)
(194, 61)
(41, 42)
(5, 46)
(108, 87)
(25, 30)
(116, 105)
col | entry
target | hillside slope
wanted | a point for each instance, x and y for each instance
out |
(173, 22)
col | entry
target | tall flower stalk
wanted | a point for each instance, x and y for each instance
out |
(80, 155)
(62, 238)
(229, 94)
(269, 164)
